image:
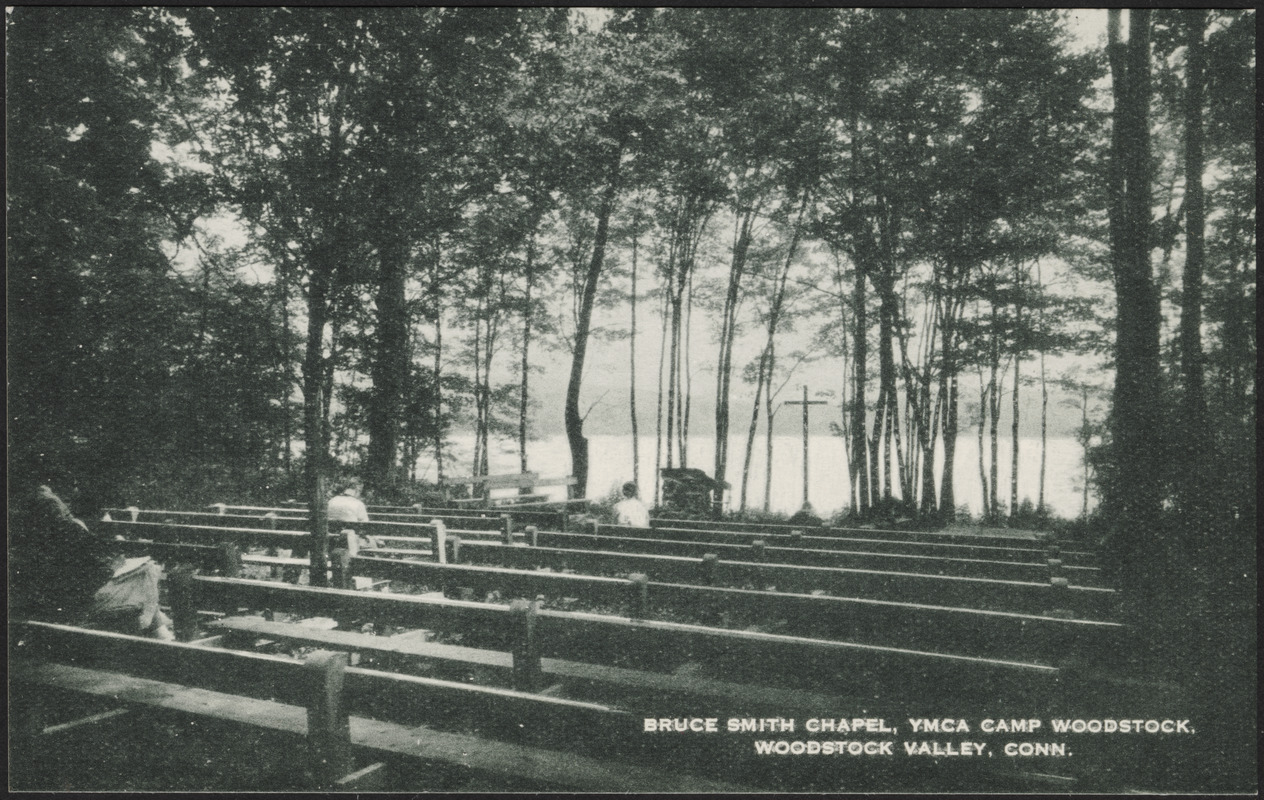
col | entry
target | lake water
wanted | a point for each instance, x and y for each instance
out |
(610, 460)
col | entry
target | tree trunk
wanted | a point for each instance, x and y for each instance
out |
(948, 392)
(1044, 434)
(390, 367)
(283, 280)
(754, 425)
(728, 332)
(436, 294)
(673, 367)
(994, 409)
(1085, 440)
(1044, 403)
(984, 402)
(859, 444)
(658, 422)
(768, 415)
(636, 444)
(438, 400)
(480, 428)
(524, 367)
(1013, 460)
(888, 401)
(1135, 497)
(574, 422)
(686, 382)
(1197, 439)
(947, 490)
(315, 429)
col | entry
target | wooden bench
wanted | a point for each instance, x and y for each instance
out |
(793, 662)
(812, 538)
(1000, 595)
(406, 525)
(960, 630)
(958, 536)
(1020, 597)
(789, 550)
(1033, 597)
(287, 517)
(858, 619)
(338, 708)
(522, 668)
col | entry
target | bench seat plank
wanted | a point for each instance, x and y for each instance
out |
(499, 758)
(656, 683)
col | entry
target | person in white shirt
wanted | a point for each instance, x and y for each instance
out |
(630, 510)
(346, 506)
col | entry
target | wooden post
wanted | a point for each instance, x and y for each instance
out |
(707, 568)
(454, 543)
(525, 647)
(328, 724)
(352, 541)
(220, 508)
(1055, 568)
(183, 605)
(506, 529)
(340, 565)
(271, 519)
(134, 512)
(230, 560)
(757, 550)
(438, 542)
(533, 535)
(638, 586)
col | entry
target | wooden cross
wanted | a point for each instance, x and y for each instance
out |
(805, 402)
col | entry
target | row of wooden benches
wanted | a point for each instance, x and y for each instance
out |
(559, 519)
(525, 727)
(987, 548)
(479, 569)
(919, 579)
(342, 711)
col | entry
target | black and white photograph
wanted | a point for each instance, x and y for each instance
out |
(635, 400)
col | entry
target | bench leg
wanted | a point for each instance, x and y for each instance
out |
(328, 723)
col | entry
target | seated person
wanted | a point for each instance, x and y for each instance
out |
(63, 571)
(347, 507)
(630, 510)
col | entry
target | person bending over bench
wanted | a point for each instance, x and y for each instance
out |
(62, 570)
(347, 507)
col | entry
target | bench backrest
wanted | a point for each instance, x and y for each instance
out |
(964, 631)
(1031, 597)
(599, 639)
(788, 550)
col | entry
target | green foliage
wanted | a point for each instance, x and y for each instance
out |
(132, 381)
